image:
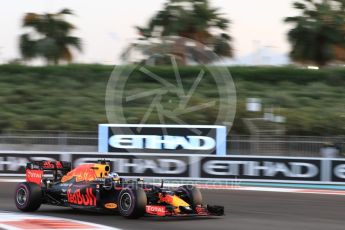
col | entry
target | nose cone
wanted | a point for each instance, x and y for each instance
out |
(186, 210)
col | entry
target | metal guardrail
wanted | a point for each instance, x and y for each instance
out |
(237, 144)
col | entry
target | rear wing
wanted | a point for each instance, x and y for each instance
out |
(49, 165)
(36, 169)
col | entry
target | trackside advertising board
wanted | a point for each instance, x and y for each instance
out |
(195, 166)
(186, 139)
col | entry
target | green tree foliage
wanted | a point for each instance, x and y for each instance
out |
(318, 35)
(50, 37)
(192, 19)
(71, 97)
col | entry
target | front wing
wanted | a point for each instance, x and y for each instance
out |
(200, 210)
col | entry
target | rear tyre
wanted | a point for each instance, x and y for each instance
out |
(132, 203)
(28, 197)
(190, 194)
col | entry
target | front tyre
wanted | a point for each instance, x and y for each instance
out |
(28, 197)
(132, 203)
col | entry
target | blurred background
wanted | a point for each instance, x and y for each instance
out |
(287, 60)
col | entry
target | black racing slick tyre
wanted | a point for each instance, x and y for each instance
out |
(190, 194)
(28, 197)
(132, 203)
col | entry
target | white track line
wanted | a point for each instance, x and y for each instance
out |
(12, 180)
(264, 189)
(292, 190)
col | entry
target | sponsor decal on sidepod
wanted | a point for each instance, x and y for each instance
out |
(88, 199)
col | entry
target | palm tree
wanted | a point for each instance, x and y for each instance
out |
(319, 33)
(192, 19)
(53, 41)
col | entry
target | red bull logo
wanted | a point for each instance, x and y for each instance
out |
(79, 198)
(81, 173)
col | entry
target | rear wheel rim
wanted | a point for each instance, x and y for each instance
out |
(21, 196)
(125, 201)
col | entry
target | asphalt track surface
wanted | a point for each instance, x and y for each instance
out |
(250, 210)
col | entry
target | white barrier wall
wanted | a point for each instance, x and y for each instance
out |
(193, 166)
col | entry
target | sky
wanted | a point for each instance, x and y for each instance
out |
(107, 27)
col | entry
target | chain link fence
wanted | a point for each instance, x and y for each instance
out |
(308, 146)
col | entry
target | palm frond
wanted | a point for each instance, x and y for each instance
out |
(55, 39)
(187, 18)
(27, 46)
(66, 12)
(317, 30)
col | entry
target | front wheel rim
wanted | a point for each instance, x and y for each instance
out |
(125, 201)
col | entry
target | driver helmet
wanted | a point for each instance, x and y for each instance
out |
(115, 176)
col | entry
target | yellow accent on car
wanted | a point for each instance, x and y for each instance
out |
(101, 170)
(177, 202)
(174, 201)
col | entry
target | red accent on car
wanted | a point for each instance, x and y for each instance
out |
(50, 165)
(166, 198)
(34, 176)
(156, 210)
(201, 210)
(58, 165)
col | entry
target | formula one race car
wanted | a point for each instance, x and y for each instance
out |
(94, 187)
